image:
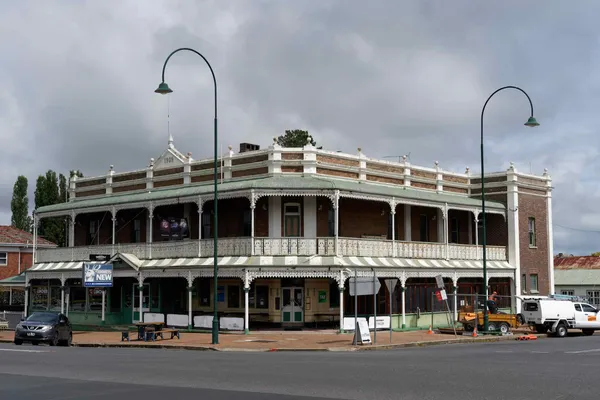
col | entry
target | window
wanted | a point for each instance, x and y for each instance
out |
(93, 233)
(203, 286)
(206, 225)
(262, 297)
(424, 228)
(233, 296)
(533, 280)
(594, 297)
(532, 239)
(330, 222)
(291, 220)
(247, 223)
(577, 307)
(136, 234)
(567, 292)
(334, 294)
(3, 258)
(587, 308)
(523, 283)
(530, 306)
(454, 230)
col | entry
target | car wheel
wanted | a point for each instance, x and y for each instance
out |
(491, 326)
(18, 342)
(504, 327)
(54, 341)
(561, 330)
(70, 340)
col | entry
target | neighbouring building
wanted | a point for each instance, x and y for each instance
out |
(578, 276)
(16, 256)
(293, 225)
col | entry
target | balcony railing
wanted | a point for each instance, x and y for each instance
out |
(277, 247)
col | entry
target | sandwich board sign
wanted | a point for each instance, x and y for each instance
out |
(97, 275)
(364, 336)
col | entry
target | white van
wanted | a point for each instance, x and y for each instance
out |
(557, 316)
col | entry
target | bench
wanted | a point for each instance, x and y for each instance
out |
(152, 335)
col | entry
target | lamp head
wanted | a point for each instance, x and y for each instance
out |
(531, 122)
(163, 88)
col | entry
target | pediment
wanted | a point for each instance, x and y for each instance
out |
(168, 159)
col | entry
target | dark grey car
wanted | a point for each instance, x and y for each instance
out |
(44, 327)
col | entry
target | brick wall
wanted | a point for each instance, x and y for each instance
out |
(534, 260)
(12, 265)
(360, 217)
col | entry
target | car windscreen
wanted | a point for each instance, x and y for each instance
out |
(43, 317)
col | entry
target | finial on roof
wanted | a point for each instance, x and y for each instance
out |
(152, 162)
(437, 163)
(545, 171)
(467, 170)
(230, 147)
(309, 140)
(359, 149)
(170, 140)
(274, 139)
(112, 167)
(512, 166)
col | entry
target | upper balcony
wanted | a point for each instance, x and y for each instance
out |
(245, 246)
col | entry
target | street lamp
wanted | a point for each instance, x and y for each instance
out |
(163, 88)
(531, 122)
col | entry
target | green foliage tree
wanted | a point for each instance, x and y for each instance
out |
(19, 205)
(295, 138)
(52, 189)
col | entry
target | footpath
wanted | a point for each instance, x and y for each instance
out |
(308, 340)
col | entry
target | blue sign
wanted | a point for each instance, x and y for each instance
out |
(97, 275)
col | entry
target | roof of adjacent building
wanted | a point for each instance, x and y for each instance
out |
(11, 236)
(312, 183)
(16, 280)
(577, 277)
(577, 262)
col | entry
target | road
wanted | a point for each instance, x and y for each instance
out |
(544, 369)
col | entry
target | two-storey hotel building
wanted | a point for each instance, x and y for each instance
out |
(293, 225)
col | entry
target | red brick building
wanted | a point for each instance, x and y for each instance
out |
(293, 225)
(16, 250)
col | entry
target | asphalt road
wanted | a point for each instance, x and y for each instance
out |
(544, 369)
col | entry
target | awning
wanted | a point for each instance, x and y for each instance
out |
(324, 261)
(61, 266)
(14, 281)
(283, 261)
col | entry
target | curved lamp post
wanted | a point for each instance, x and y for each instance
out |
(163, 88)
(531, 122)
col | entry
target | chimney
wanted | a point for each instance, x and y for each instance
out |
(244, 147)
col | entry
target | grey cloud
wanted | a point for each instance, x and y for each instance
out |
(391, 77)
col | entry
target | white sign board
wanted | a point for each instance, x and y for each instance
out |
(383, 322)
(177, 320)
(440, 282)
(364, 286)
(203, 321)
(231, 324)
(154, 317)
(349, 323)
(443, 294)
(363, 331)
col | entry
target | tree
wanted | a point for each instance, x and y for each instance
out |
(47, 193)
(19, 205)
(295, 138)
(596, 254)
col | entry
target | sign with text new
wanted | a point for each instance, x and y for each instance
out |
(97, 275)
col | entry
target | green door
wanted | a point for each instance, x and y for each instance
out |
(293, 305)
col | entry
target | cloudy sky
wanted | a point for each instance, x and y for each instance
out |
(393, 77)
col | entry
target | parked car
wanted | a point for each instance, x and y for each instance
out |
(558, 315)
(44, 327)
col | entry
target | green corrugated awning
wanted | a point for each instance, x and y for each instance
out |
(17, 280)
(273, 183)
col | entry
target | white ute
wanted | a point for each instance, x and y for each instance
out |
(557, 315)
